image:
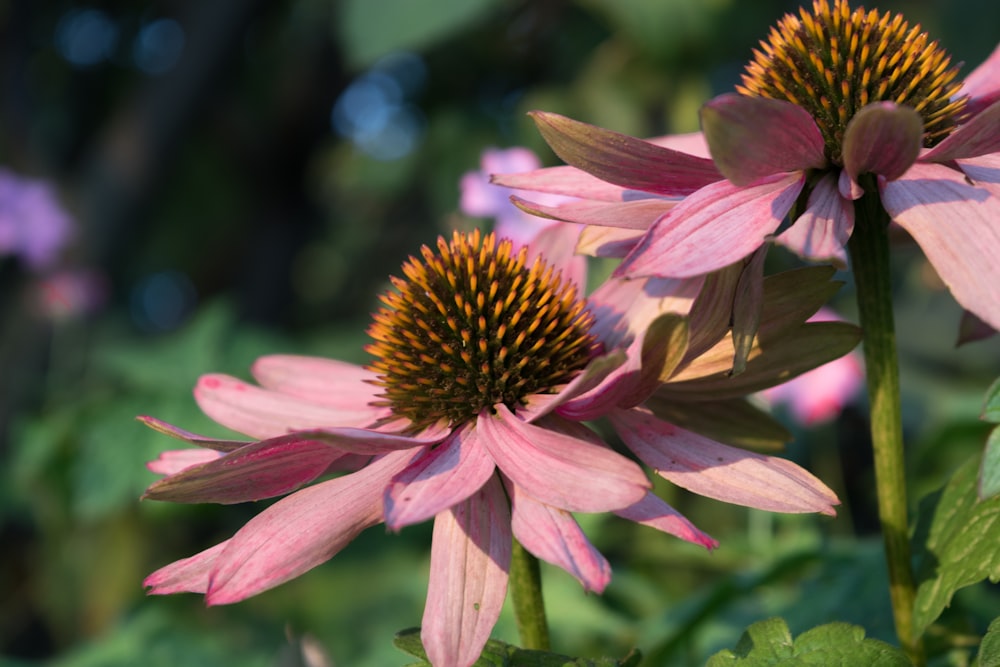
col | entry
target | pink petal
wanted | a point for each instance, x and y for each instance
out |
(259, 470)
(328, 382)
(821, 233)
(559, 469)
(554, 536)
(301, 531)
(623, 160)
(261, 413)
(692, 143)
(714, 227)
(884, 139)
(556, 245)
(983, 83)
(470, 559)
(978, 136)
(440, 478)
(189, 575)
(754, 137)
(638, 214)
(568, 181)
(653, 512)
(607, 241)
(539, 405)
(719, 471)
(955, 224)
(188, 436)
(173, 461)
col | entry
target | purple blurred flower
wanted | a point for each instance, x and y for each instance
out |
(33, 224)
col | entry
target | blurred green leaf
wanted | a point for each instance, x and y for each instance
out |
(769, 643)
(961, 532)
(989, 649)
(989, 468)
(500, 654)
(991, 406)
(370, 29)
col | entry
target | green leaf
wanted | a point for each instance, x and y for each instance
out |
(962, 532)
(501, 654)
(989, 648)
(991, 406)
(989, 468)
(769, 643)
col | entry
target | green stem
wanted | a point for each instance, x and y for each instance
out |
(526, 591)
(869, 248)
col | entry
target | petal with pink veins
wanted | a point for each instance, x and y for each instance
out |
(440, 478)
(597, 371)
(955, 224)
(329, 382)
(652, 511)
(978, 136)
(623, 160)
(821, 232)
(470, 561)
(719, 471)
(301, 531)
(567, 181)
(884, 139)
(754, 137)
(175, 460)
(638, 214)
(554, 536)
(559, 469)
(189, 575)
(983, 84)
(718, 225)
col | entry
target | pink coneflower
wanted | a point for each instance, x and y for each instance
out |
(485, 367)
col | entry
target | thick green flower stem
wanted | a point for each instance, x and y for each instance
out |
(869, 249)
(526, 591)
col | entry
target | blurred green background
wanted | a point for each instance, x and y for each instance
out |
(243, 176)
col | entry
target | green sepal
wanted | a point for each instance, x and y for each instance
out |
(769, 643)
(501, 654)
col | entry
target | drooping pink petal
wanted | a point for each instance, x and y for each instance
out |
(301, 531)
(259, 470)
(607, 241)
(754, 137)
(188, 436)
(638, 214)
(189, 575)
(882, 138)
(329, 382)
(719, 471)
(822, 231)
(175, 460)
(978, 136)
(623, 160)
(554, 536)
(470, 561)
(955, 224)
(652, 511)
(261, 413)
(560, 469)
(982, 85)
(568, 181)
(714, 227)
(440, 478)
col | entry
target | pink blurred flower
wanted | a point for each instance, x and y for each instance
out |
(33, 224)
(472, 415)
(69, 293)
(786, 146)
(821, 394)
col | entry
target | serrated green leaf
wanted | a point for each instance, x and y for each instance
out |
(960, 550)
(989, 648)
(501, 654)
(769, 644)
(989, 467)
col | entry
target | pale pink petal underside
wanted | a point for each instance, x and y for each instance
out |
(754, 137)
(301, 531)
(652, 511)
(559, 469)
(821, 232)
(438, 479)
(983, 83)
(955, 224)
(329, 382)
(638, 214)
(554, 536)
(567, 181)
(613, 242)
(175, 460)
(719, 471)
(189, 575)
(884, 139)
(718, 225)
(470, 560)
